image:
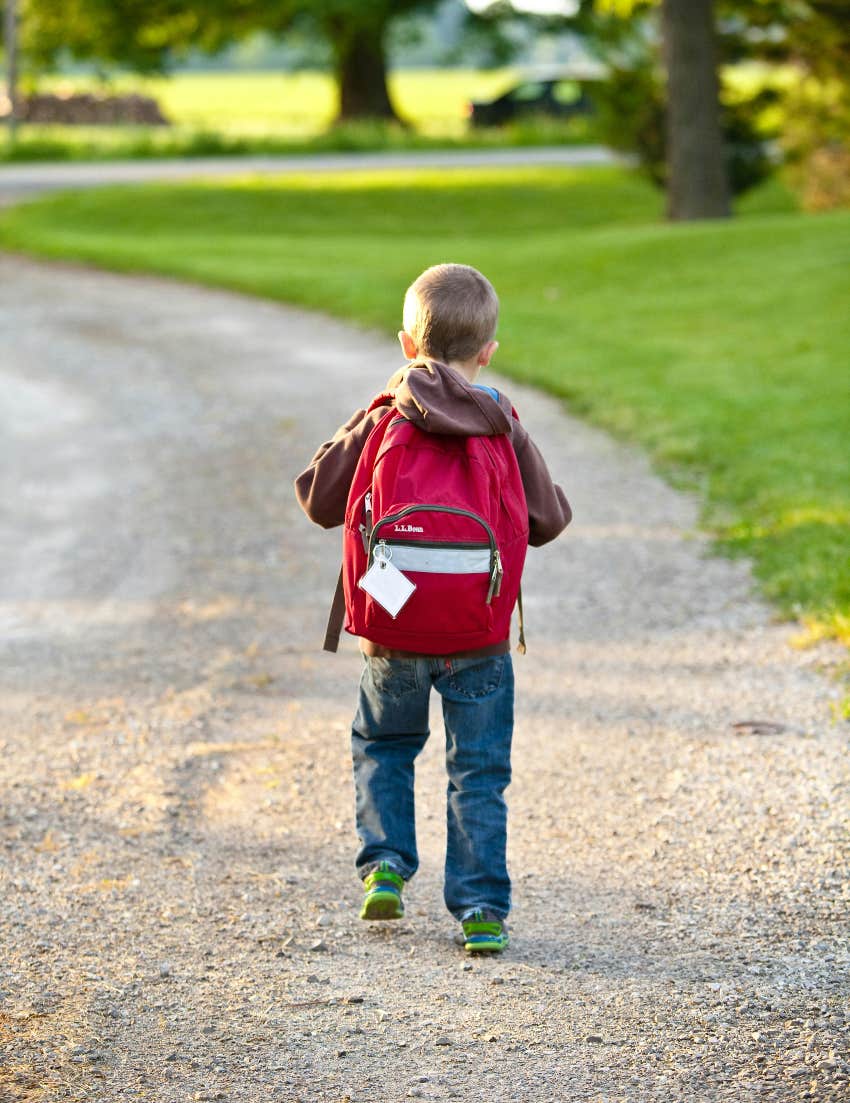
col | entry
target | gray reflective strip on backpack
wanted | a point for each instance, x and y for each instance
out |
(438, 560)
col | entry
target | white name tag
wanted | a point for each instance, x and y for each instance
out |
(387, 585)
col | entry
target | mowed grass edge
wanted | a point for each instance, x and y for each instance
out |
(720, 347)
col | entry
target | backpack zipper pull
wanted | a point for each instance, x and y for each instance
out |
(495, 577)
(366, 523)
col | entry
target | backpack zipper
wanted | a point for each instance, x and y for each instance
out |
(496, 570)
(466, 546)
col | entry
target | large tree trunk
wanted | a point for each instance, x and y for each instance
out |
(10, 43)
(361, 72)
(696, 170)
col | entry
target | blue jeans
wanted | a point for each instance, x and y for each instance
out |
(389, 731)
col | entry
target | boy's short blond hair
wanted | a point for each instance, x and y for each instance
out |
(451, 311)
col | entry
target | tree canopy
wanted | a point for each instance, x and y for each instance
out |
(141, 34)
(147, 35)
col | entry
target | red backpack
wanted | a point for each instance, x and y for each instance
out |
(449, 513)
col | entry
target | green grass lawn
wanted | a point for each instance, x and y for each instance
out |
(720, 347)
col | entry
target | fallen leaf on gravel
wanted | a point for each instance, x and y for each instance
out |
(82, 781)
(209, 610)
(48, 845)
(79, 717)
(308, 1003)
(259, 681)
(198, 749)
(101, 712)
(758, 727)
(114, 884)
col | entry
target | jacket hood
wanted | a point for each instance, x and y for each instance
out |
(439, 399)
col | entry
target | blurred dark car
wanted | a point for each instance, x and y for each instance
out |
(553, 97)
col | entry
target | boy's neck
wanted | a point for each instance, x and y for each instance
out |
(469, 369)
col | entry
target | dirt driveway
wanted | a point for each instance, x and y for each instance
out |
(178, 898)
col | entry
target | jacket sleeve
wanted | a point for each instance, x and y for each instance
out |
(549, 511)
(322, 489)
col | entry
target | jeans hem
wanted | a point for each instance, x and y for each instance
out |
(396, 867)
(462, 913)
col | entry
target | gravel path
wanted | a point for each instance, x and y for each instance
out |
(21, 180)
(177, 889)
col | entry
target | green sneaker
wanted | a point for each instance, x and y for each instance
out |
(484, 933)
(383, 894)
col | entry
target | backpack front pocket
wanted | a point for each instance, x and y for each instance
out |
(455, 577)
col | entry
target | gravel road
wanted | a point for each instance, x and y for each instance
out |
(178, 897)
(22, 180)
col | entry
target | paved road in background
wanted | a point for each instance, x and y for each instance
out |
(19, 181)
(177, 893)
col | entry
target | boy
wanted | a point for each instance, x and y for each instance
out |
(450, 315)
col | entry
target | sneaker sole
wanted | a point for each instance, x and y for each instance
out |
(382, 905)
(491, 946)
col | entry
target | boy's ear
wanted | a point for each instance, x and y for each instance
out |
(408, 345)
(487, 353)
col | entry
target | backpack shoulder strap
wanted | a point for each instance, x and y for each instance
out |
(336, 617)
(385, 398)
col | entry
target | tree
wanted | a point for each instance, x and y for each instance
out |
(695, 171)
(812, 37)
(697, 186)
(357, 32)
(147, 35)
(10, 48)
(680, 132)
(141, 34)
